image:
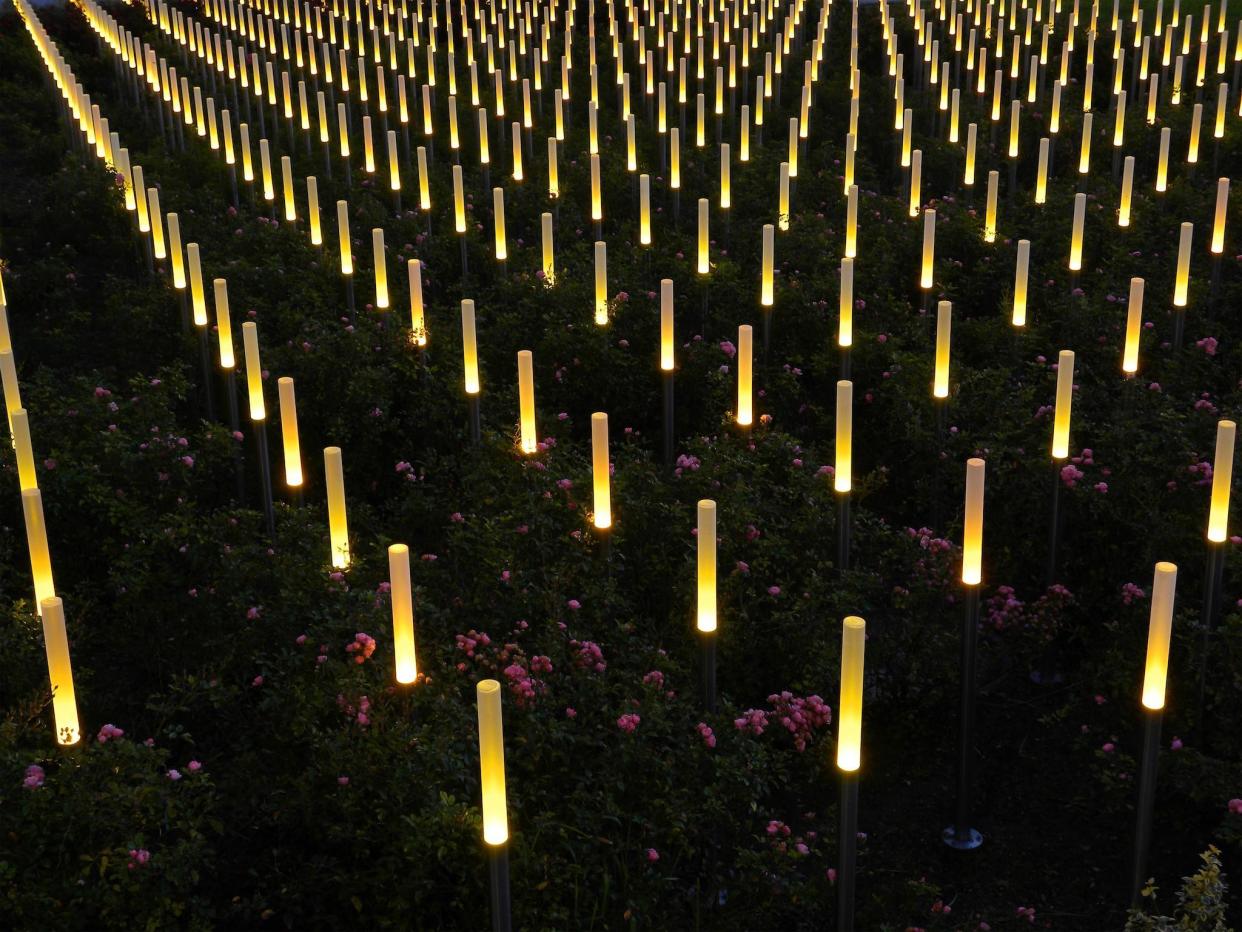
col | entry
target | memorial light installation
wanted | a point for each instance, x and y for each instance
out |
(918, 242)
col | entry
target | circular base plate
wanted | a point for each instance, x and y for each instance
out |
(967, 842)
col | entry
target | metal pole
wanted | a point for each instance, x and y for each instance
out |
(1054, 525)
(960, 835)
(1146, 801)
(709, 671)
(669, 416)
(476, 430)
(843, 531)
(498, 859)
(265, 476)
(847, 851)
(1212, 580)
(239, 468)
(209, 395)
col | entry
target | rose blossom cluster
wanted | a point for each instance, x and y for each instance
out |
(801, 717)
(361, 714)
(590, 656)
(362, 647)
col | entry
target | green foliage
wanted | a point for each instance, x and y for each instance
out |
(1200, 902)
(328, 798)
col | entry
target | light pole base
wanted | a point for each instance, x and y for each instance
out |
(962, 841)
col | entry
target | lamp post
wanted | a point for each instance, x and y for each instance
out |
(960, 834)
(849, 754)
(1154, 678)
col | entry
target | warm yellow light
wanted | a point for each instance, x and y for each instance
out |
(394, 166)
(768, 268)
(312, 211)
(916, 182)
(549, 251)
(342, 229)
(401, 596)
(498, 212)
(1134, 326)
(158, 247)
(424, 181)
(469, 347)
(793, 147)
(1196, 124)
(254, 370)
(1064, 402)
(380, 259)
(666, 325)
(286, 179)
(60, 671)
(1084, 152)
(674, 159)
(1159, 632)
(516, 137)
(972, 528)
(554, 181)
(845, 306)
(1222, 479)
(492, 763)
(12, 390)
(140, 199)
(706, 546)
(1181, 283)
(989, 222)
(851, 222)
(1162, 164)
(176, 257)
(849, 708)
(843, 479)
(597, 195)
(944, 324)
(529, 441)
(418, 320)
(459, 201)
(600, 479)
(972, 135)
(1020, 283)
(644, 210)
(782, 200)
(704, 255)
(601, 283)
(1127, 192)
(197, 294)
(1218, 223)
(631, 144)
(265, 162)
(745, 359)
(36, 544)
(20, 424)
(726, 193)
(1080, 215)
(289, 432)
(338, 527)
(929, 249)
(224, 326)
